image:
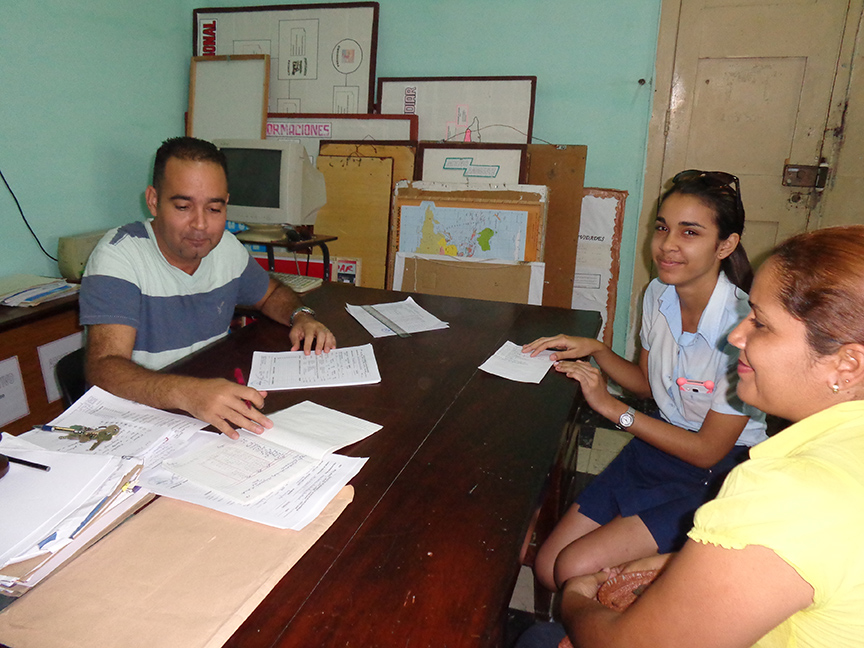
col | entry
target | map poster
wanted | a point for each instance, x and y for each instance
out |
(435, 219)
(465, 231)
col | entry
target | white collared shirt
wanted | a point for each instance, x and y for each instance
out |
(701, 357)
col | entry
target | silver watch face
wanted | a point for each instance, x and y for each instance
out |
(626, 419)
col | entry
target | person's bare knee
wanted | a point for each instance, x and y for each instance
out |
(619, 541)
(570, 527)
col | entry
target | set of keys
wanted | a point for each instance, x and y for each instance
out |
(85, 434)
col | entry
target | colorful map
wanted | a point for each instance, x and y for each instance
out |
(464, 232)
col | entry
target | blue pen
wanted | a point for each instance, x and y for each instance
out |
(55, 428)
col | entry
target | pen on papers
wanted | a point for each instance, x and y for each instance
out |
(238, 376)
(30, 464)
(55, 428)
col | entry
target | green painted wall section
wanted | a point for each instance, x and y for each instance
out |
(87, 95)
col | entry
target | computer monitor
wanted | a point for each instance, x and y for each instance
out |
(271, 183)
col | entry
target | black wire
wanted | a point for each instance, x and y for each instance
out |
(23, 217)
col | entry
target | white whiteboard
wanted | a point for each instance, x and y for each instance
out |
(228, 97)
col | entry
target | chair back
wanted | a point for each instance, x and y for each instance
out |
(70, 376)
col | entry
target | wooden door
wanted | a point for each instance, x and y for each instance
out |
(752, 88)
(743, 86)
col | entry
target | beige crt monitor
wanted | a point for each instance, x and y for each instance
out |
(271, 184)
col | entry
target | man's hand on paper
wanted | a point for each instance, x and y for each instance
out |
(310, 334)
(226, 406)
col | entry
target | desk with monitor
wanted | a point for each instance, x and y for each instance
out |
(428, 552)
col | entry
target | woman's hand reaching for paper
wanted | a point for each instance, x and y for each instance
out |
(569, 347)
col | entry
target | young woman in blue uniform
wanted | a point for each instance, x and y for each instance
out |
(643, 503)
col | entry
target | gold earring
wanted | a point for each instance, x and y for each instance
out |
(835, 388)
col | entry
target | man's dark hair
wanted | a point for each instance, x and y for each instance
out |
(186, 148)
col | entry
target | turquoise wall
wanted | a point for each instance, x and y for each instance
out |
(87, 95)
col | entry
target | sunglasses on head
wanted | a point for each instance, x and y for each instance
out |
(713, 179)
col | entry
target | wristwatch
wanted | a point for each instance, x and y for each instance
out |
(626, 419)
(301, 309)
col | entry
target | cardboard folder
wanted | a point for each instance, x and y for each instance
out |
(175, 575)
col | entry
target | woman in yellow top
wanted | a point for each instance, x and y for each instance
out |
(777, 559)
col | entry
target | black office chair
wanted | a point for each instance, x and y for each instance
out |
(70, 376)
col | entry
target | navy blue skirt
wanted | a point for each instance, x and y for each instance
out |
(662, 490)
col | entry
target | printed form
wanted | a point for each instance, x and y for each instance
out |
(296, 370)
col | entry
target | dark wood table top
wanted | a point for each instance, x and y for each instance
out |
(427, 554)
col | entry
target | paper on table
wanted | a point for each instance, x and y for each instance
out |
(15, 284)
(255, 465)
(296, 370)
(244, 470)
(316, 430)
(407, 315)
(142, 428)
(509, 362)
(32, 575)
(34, 502)
(291, 506)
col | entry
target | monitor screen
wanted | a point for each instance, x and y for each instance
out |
(271, 183)
(254, 176)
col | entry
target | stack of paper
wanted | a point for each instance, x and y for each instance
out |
(295, 487)
(30, 290)
(144, 431)
(283, 478)
(44, 512)
(396, 318)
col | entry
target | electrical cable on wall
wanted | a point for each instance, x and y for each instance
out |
(24, 218)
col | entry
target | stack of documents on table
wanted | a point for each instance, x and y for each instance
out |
(296, 370)
(30, 290)
(283, 478)
(144, 433)
(395, 318)
(48, 516)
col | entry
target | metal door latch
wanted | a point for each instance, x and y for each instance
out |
(797, 175)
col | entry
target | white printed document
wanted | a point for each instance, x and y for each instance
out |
(407, 316)
(509, 362)
(255, 465)
(143, 429)
(296, 370)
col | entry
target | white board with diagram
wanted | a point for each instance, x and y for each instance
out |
(463, 109)
(322, 56)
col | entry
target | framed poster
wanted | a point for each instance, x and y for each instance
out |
(323, 55)
(463, 109)
(228, 97)
(598, 255)
(506, 224)
(313, 129)
(472, 163)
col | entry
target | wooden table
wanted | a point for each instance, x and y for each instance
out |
(428, 552)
